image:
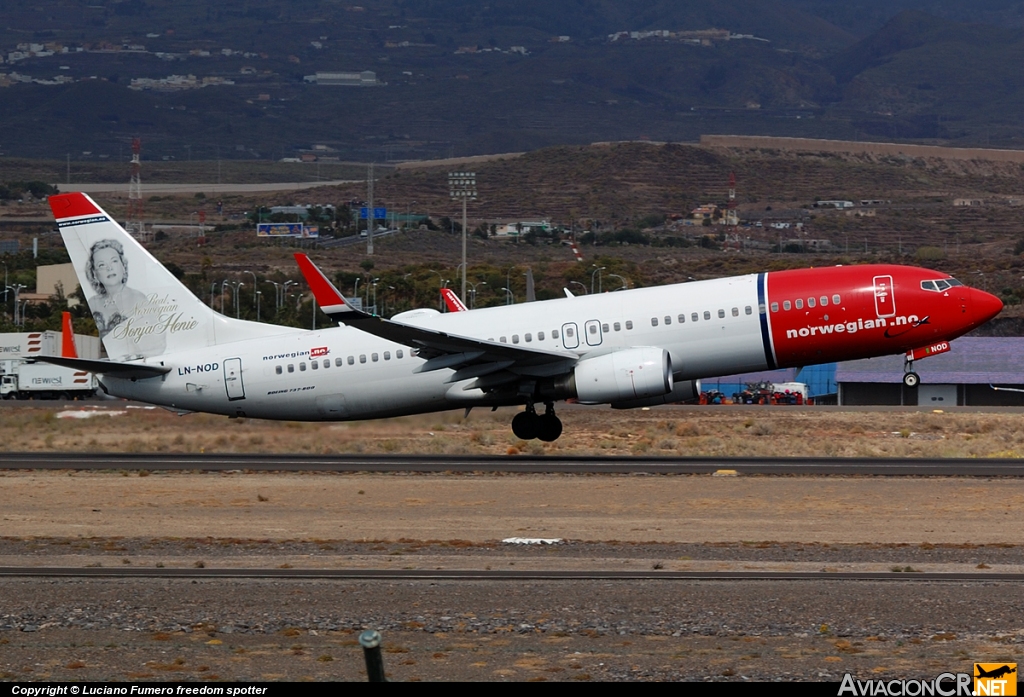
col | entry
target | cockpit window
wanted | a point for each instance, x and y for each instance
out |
(940, 285)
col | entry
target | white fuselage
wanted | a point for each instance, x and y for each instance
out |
(342, 373)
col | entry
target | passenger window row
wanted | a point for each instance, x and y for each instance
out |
(811, 303)
(695, 316)
(339, 361)
(570, 333)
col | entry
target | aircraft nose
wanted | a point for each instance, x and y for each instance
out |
(986, 306)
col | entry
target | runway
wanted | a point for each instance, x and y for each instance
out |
(518, 464)
(497, 575)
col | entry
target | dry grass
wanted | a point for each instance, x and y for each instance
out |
(709, 431)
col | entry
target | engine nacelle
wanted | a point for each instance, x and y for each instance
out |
(682, 391)
(632, 374)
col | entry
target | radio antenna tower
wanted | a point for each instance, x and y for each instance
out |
(134, 224)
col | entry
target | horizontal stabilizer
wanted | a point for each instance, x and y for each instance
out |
(128, 371)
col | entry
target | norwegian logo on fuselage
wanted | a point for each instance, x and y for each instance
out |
(319, 351)
(885, 303)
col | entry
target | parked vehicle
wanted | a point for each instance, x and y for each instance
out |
(29, 380)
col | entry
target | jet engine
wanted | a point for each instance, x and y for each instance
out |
(623, 376)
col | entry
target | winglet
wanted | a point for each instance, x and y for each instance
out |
(329, 298)
(451, 299)
(67, 337)
(73, 205)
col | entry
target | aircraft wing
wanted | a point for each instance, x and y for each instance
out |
(471, 357)
(137, 371)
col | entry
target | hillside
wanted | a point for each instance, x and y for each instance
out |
(204, 82)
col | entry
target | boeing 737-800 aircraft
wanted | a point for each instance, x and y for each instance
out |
(628, 349)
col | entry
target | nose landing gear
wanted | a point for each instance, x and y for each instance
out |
(529, 424)
(910, 378)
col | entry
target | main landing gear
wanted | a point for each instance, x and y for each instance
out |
(529, 424)
(910, 378)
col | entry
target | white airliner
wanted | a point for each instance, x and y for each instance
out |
(631, 348)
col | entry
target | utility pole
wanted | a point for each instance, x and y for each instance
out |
(370, 210)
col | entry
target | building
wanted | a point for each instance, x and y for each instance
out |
(965, 376)
(57, 279)
(366, 78)
(521, 227)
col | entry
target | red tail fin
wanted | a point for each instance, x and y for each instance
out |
(67, 337)
(451, 299)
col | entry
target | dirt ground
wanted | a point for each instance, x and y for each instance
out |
(702, 431)
(263, 630)
(487, 508)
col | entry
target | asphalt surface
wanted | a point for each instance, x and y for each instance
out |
(944, 467)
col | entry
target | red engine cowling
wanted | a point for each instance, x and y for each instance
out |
(623, 376)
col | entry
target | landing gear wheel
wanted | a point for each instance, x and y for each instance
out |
(526, 424)
(550, 427)
(911, 380)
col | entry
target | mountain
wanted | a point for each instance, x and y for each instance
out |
(455, 77)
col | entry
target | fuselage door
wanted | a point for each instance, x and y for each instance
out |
(233, 379)
(570, 336)
(885, 301)
(593, 329)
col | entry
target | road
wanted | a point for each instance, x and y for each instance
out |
(150, 189)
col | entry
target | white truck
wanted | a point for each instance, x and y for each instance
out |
(21, 379)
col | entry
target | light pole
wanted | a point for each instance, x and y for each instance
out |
(223, 285)
(17, 296)
(366, 292)
(277, 296)
(457, 275)
(598, 272)
(284, 290)
(625, 285)
(462, 185)
(255, 285)
(472, 294)
(259, 297)
(440, 279)
(235, 285)
(510, 299)
(508, 277)
(577, 283)
(355, 288)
